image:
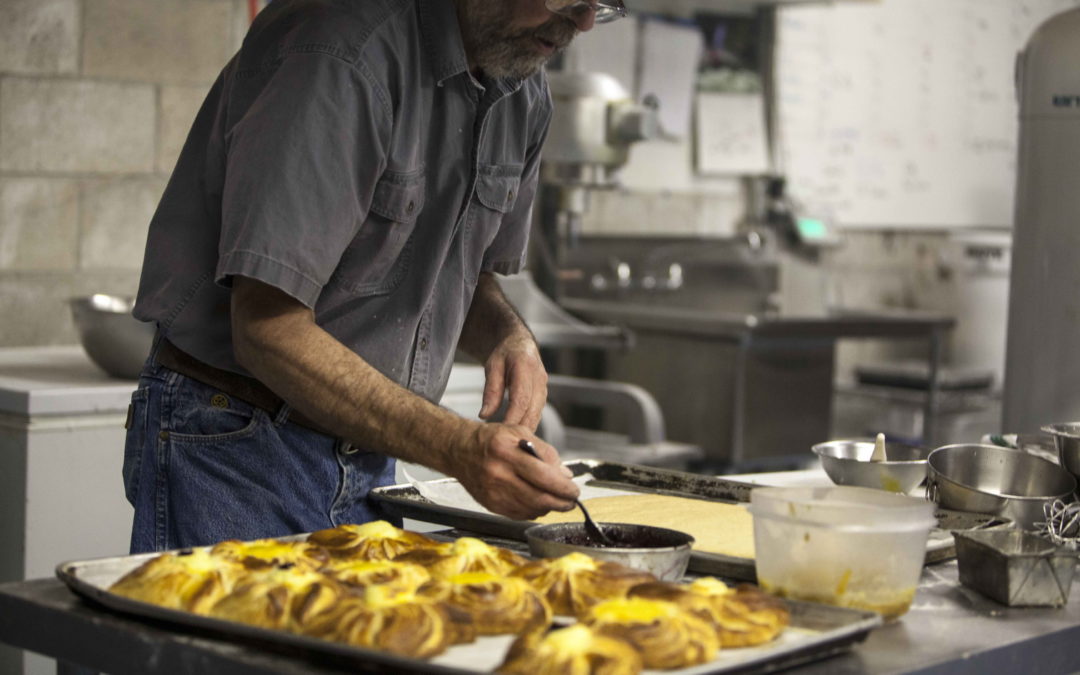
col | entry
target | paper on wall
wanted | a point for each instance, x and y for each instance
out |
(670, 57)
(731, 134)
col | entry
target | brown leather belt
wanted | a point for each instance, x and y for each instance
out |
(246, 389)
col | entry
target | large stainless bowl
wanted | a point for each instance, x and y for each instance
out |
(847, 462)
(664, 553)
(113, 339)
(995, 480)
(1067, 439)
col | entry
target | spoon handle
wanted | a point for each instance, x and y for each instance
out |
(591, 528)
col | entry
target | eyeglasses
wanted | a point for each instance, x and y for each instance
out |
(606, 10)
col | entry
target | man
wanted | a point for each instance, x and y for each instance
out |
(357, 174)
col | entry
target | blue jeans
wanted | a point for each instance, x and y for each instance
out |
(201, 466)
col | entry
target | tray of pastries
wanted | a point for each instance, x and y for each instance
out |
(375, 594)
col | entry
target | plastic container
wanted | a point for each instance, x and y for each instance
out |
(844, 546)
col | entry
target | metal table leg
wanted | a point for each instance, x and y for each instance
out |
(932, 384)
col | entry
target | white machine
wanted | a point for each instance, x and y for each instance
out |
(1042, 369)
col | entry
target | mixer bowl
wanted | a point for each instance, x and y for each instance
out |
(847, 462)
(998, 481)
(1067, 440)
(113, 339)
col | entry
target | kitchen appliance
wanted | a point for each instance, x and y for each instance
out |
(1042, 373)
(594, 123)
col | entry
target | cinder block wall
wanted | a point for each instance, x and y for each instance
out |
(96, 98)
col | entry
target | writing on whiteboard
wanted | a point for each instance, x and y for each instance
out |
(903, 113)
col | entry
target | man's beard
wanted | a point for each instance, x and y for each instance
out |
(503, 52)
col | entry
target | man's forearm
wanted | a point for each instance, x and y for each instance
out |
(276, 339)
(491, 321)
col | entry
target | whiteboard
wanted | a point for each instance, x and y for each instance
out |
(903, 113)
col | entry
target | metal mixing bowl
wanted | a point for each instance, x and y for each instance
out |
(1067, 439)
(847, 462)
(113, 339)
(995, 480)
(664, 553)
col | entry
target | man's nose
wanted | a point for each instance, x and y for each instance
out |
(585, 20)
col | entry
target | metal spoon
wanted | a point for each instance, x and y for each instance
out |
(591, 528)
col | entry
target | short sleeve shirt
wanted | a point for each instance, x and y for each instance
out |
(347, 156)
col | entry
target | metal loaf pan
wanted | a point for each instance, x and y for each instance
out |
(405, 501)
(1015, 568)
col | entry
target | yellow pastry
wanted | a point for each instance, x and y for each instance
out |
(573, 583)
(398, 576)
(467, 554)
(282, 598)
(497, 605)
(665, 635)
(377, 540)
(576, 650)
(397, 622)
(265, 553)
(191, 580)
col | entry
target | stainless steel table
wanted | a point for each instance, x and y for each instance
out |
(724, 379)
(950, 629)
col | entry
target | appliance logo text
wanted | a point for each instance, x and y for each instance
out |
(1066, 101)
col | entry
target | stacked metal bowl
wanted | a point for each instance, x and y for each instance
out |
(1000, 481)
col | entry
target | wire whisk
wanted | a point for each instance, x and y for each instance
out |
(1062, 525)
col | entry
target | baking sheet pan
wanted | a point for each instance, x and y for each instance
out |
(406, 501)
(815, 632)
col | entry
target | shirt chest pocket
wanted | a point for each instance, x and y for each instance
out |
(379, 256)
(497, 189)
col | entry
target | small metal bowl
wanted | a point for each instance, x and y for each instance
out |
(995, 480)
(847, 462)
(1067, 440)
(662, 552)
(113, 339)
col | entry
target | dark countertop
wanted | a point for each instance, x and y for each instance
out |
(950, 629)
(846, 324)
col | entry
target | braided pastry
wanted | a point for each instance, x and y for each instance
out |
(467, 554)
(396, 576)
(573, 583)
(191, 580)
(282, 598)
(377, 540)
(665, 635)
(497, 605)
(748, 616)
(576, 650)
(266, 553)
(401, 623)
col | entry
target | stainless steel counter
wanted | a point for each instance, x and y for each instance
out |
(949, 629)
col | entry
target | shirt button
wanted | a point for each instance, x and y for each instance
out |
(410, 207)
(510, 196)
(423, 344)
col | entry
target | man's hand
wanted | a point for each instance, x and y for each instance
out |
(514, 366)
(509, 481)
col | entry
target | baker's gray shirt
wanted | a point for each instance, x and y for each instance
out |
(347, 157)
